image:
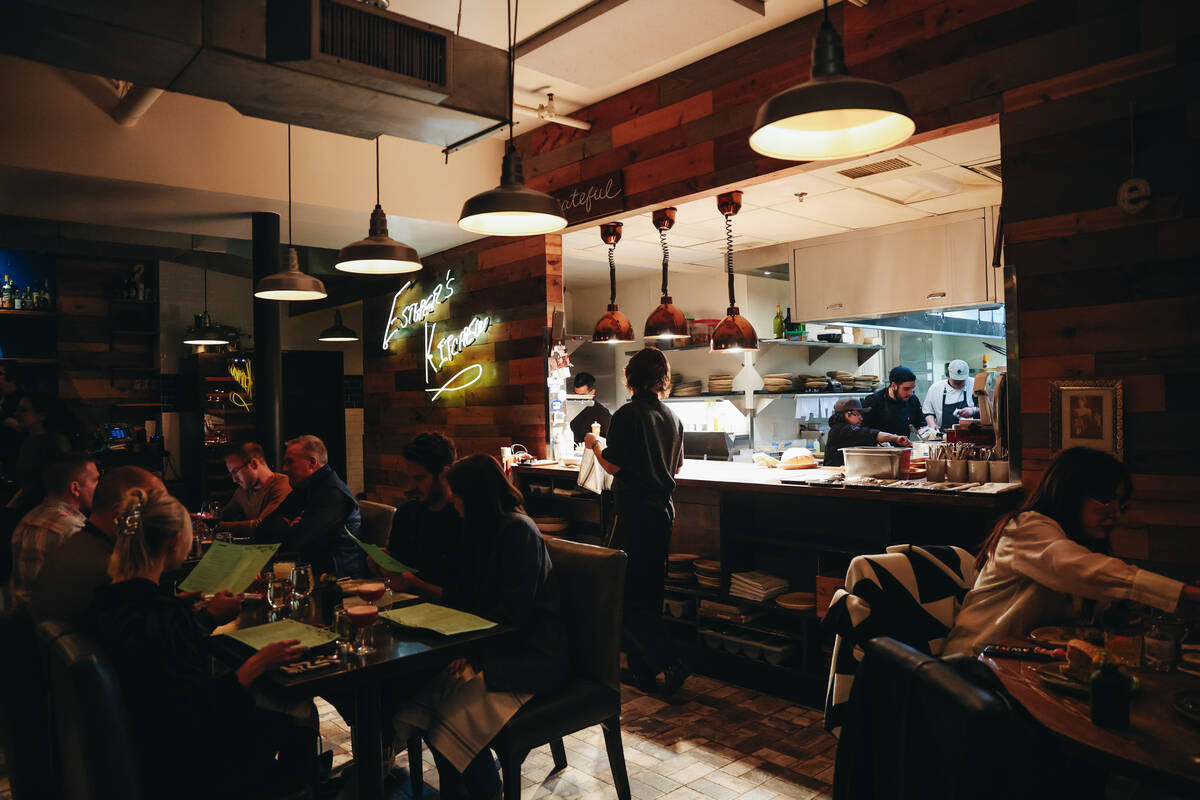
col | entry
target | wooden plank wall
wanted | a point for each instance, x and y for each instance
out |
(107, 353)
(1100, 293)
(518, 283)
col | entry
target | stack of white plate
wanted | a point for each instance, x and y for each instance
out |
(815, 385)
(679, 567)
(708, 572)
(797, 601)
(757, 585)
(720, 384)
(777, 382)
(838, 375)
(686, 389)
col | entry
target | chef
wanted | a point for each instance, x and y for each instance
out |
(893, 408)
(581, 425)
(846, 430)
(950, 400)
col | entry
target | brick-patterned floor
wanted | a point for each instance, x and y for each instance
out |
(712, 741)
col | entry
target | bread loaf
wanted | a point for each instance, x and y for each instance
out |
(1080, 656)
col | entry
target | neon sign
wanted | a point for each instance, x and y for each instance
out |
(242, 373)
(439, 352)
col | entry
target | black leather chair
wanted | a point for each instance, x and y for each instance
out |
(591, 581)
(376, 521)
(26, 728)
(97, 752)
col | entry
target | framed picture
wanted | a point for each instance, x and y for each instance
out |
(1087, 414)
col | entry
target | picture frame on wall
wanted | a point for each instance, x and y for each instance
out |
(1088, 413)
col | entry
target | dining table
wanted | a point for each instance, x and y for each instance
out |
(400, 654)
(1160, 746)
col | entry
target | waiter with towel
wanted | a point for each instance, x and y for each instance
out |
(950, 400)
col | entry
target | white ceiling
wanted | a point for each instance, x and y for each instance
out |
(645, 39)
(771, 214)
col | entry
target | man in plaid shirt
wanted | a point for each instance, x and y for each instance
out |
(70, 484)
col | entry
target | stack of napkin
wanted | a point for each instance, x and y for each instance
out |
(757, 586)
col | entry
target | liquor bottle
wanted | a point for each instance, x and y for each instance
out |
(47, 299)
(6, 293)
(30, 304)
(787, 323)
(777, 324)
(18, 301)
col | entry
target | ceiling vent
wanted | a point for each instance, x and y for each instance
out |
(877, 167)
(360, 44)
(988, 169)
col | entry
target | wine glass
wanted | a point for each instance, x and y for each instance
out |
(302, 581)
(371, 591)
(277, 592)
(362, 617)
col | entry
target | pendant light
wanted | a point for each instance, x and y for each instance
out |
(512, 209)
(378, 254)
(734, 334)
(665, 322)
(338, 332)
(614, 326)
(290, 283)
(203, 332)
(833, 115)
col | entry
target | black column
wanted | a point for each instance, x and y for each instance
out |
(268, 359)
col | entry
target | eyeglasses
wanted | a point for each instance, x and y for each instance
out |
(238, 468)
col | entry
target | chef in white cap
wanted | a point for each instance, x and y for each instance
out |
(950, 400)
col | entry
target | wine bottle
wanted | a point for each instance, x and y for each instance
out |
(18, 301)
(787, 322)
(777, 324)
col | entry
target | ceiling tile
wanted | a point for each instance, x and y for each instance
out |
(970, 147)
(922, 161)
(851, 208)
(785, 190)
(979, 197)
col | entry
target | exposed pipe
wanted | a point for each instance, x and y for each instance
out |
(546, 112)
(134, 104)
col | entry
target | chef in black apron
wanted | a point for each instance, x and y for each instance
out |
(952, 399)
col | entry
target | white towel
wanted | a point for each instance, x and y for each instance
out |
(592, 476)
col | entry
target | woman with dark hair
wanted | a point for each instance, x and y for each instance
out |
(161, 659)
(507, 578)
(644, 453)
(1039, 560)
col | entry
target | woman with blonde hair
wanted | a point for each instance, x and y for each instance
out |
(162, 663)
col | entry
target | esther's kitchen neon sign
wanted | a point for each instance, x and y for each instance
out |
(438, 352)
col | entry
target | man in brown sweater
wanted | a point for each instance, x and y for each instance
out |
(259, 488)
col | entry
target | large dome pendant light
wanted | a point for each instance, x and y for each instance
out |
(512, 209)
(378, 254)
(290, 283)
(734, 334)
(614, 326)
(338, 332)
(203, 332)
(833, 115)
(666, 322)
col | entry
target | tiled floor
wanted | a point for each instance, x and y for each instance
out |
(712, 741)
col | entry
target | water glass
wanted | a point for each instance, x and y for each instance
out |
(302, 581)
(1159, 643)
(277, 592)
(342, 627)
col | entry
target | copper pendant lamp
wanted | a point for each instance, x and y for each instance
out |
(832, 115)
(512, 209)
(290, 283)
(614, 326)
(666, 322)
(378, 254)
(734, 334)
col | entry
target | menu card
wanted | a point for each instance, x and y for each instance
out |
(228, 566)
(381, 556)
(430, 616)
(260, 636)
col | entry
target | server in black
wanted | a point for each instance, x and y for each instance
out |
(585, 383)
(645, 451)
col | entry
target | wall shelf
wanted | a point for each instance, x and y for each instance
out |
(31, 360)
(14, 312)
(818, 349)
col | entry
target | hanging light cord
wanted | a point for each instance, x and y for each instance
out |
(729, 255)
(827, 10)
(206, 291)
(376, 170)
(512, 63)
(289, 129)
(662, 236)
(612, 273)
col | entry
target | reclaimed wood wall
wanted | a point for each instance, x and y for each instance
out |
(1096, 292)
(515, 282)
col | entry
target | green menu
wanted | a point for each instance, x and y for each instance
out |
(381, 556)
(430, 616)
(228, 566)
(260, 636)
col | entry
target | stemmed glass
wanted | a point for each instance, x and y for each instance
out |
(362, 617)
(302, 582)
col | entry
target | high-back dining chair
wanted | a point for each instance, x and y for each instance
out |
(98, 757)
(376, 521)
(26, 728)
(591, 584)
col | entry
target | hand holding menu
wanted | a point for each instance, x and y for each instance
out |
(381, 556)
(446, 621)
(260, 636)
(228, 566)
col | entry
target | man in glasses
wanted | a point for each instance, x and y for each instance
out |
(259, 488)
(846, 430)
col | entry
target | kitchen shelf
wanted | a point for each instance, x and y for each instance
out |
(763, 393)
(818, 349)
(690, 347)
(14, 312)
(705, 396)
(691, 623)
(122, 301)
